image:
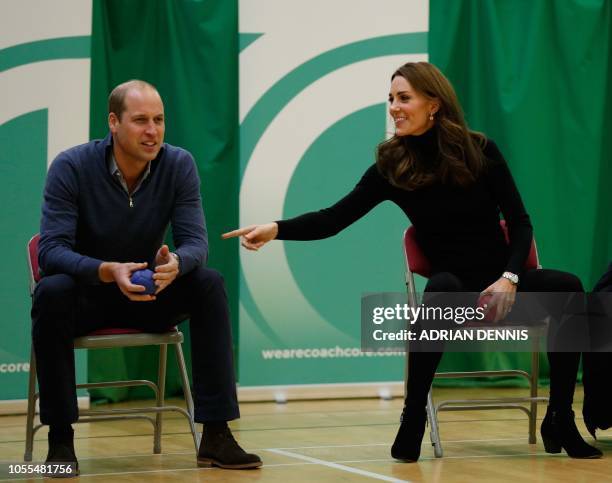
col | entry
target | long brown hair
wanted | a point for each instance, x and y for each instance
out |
(460, 150)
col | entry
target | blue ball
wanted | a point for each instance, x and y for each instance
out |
(144, 278)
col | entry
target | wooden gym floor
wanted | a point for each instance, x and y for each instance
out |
(325, 441)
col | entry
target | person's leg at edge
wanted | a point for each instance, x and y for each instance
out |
(422, 366)
(558, 428)
(596, 363)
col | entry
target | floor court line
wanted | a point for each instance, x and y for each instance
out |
(337, 466)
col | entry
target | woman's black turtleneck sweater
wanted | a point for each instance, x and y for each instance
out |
(457, 228)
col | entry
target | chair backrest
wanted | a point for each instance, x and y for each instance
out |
(533, 259)
(34, 272)
(417, 262)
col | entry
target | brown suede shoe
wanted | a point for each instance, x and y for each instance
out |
(219, 448)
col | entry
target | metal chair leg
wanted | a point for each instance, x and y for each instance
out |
(180, 359)
(161, 386)
(29, 441)
(434, 434)
(533, 388)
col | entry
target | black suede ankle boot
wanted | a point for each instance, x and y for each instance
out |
(559, 431)
(407, 444)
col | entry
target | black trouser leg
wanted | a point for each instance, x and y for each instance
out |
(423, 361)
(211, 347)
(54, 307)
(421, 369)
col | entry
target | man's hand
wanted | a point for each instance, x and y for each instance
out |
(166, 268)
(503, 294)
(255, 236)
(120, 273)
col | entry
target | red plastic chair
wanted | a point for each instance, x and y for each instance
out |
(417, 262)
(112, 338)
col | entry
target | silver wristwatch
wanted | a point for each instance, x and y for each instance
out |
(513, 277)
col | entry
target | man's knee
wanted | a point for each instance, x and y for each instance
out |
(204, 278)
(54, 298)
(54, 291)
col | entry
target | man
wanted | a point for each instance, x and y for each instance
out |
(107, 206)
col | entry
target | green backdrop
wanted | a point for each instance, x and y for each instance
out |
(536, 77)
(189, 51)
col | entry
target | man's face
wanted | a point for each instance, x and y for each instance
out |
(139, 134)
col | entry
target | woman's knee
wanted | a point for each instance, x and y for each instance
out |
(546, 280)
(570, 282)
(444, 282)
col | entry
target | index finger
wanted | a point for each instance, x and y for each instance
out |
(236, 233)
(133, 266)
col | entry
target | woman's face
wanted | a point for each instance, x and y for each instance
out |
(409, 109)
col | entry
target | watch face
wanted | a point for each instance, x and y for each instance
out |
(512, 277)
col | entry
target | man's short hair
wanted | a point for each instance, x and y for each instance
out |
(116, 99)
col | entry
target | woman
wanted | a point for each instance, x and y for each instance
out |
(451, 183)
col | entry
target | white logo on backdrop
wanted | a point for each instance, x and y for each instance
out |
(293, 33)
(61, 86)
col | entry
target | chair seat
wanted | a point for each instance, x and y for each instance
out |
(119, 330)
(114, 331)
(108, 338)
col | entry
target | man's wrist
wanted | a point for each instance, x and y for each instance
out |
(178, 260)
(105, 272)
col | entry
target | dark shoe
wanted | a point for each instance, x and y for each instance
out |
(407, 444)
(559, 431)
(219, 448)
(61, 458)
